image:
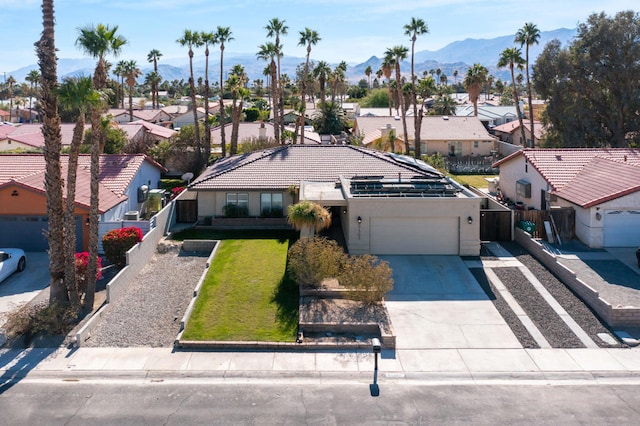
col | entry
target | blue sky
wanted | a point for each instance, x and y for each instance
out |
(350, 30)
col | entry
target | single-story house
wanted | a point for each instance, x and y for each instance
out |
(601, 184)
(446, 135)
(146, 134)
(510, 133)
(490, 115)
(186, 118)
(254, 130)
(156, 116)
(23, 200)
(383, 203)
(29, 136)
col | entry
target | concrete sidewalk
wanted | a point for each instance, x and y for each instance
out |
(458, 365)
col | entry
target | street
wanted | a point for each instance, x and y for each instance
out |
(185, 402)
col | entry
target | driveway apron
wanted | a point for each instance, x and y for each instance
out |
(436, 303)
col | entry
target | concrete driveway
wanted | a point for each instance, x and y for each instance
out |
(22, 287)
(436, 303)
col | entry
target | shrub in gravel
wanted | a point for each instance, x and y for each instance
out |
(117, 242)
(311, 260)
(368, 278)
(29, 320)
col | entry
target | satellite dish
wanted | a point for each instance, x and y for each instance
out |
(187, 176)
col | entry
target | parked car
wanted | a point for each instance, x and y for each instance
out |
(11, 260)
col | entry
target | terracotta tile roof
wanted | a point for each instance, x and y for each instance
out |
(116, 174)
(249, 130)
(601, 180)
(560, 166)
(512, 126)
(133, 128)
(31, 134)
(278, 168)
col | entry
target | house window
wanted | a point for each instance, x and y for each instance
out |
(523, 188)
(475, 144)
(237, 205)
(271, 204)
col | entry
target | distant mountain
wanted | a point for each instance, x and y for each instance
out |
(458, 55)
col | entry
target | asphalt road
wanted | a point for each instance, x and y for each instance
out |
(174, 403)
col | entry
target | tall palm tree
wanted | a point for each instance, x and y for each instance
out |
(10, 82)
(191, 39)
(512, 57)
(395, 55)
(131, 73)
(153, 57)
(275, 28)
(77, 96)
(321, 71)
(413, 29)
(208, 39)
(33, 77)
(368, 71)
(118, 71)
(153, 79)
(269, 52)
(308, 38)
(455, 81)
(46, 51)
(473, 81)
(387, 71)
(528, 36)
(97, 41)
(237, 86)
(223, 35)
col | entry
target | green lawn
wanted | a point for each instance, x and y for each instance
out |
(246, 295)
(477, 181)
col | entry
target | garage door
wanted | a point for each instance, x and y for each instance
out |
(26, 232)
(414, 235)
(622, 228)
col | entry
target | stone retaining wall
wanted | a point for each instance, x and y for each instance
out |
(613, 316)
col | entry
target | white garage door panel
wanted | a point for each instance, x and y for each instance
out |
(437, 235)
(622, 229)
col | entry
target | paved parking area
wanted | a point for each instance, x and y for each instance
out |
(436, 303)
(22, 287)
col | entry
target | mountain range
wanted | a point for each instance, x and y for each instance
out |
(458, 55)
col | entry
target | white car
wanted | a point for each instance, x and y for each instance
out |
(11, 260)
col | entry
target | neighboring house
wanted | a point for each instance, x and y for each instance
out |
(601, 184)
(23, 200)
(4, 115)
(291, 116)
(142, 133)
(155, 116)
(186, 118)
(511, 133)
(29, 136)
(253, 130)
(383, 203)
(459, 136)
(490, 115)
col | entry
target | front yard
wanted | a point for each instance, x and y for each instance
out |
(247, 295)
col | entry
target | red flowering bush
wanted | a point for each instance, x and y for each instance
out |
(117, 242)
(82, 263)
(177, 191)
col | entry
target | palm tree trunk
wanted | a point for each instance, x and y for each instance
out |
(194, 107)
(276, 107)
(207, 125)
(530, 94)
(92, 266)
(46, 51)
(403, 108)
(223, 143)
(517, 102)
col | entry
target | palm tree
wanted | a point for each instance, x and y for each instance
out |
(223, 35)
(208, 38)
(321, 71)
(512, 57)
(153, 79)
(97, 41)
(387, 71)
(413, 29)
(10, 82)
(154, 56)
(368, 71)
(308, 38)
(528, 36)
(46, 51)
(308, 217)
(77, 96)
(395, 55)
(34, 78)
(274, 28)
(237, 86)
(131, 73)
(473, 81)
(119, 72)
(191, 39)
(455, 81)
(268, 52)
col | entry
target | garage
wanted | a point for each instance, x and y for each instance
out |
(414, 235)
(27, 232)
(622, 228)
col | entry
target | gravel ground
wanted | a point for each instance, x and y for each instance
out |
(149, 311)
(575, 307)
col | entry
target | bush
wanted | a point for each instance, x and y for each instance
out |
(82, 262)
(29, 320)
(368, 278)
(117, 242)
(311, 260)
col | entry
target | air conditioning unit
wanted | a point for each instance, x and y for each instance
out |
(132, 215)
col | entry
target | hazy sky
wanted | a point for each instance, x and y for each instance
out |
(351, 30)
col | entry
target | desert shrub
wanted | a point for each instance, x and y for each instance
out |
(29, 320)
(367, 277)
(117, 242)
(82, 263)
(311, 260)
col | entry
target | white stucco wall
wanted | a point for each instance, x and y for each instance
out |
(516, 169)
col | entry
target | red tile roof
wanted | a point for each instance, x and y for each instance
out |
(278, 168)
(601, 180)
(560, 166)
(31, 134)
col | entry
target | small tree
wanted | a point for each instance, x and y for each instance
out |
(117, 242)
(308, 217)
(368, 277)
